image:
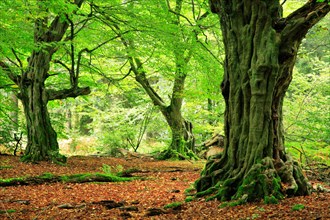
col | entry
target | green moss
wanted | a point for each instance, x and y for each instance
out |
(9, 180)
(5, 167)
(7, 211)
(46, 176)
(189, 191)
(76, 178)
(270, 200)
(206, 192)
(189, 199)
(173, 205)
(223, 205)
(297, 207)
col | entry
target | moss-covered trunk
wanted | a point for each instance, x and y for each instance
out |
(42, 143)
(42, 139)
(183, 141)
(260, 54)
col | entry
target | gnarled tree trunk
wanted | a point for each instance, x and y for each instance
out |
(42, 139)
(261, 47)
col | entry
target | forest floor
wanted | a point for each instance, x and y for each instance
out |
(164, 183)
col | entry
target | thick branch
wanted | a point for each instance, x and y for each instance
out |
(300, 21)
(58, 27)
(66, 93)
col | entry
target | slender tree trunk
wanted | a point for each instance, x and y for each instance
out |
(14, 111)
(260, 55)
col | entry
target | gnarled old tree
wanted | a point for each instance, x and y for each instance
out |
(49, 30)
(261, 48)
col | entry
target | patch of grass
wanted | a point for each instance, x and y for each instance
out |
(297, 207)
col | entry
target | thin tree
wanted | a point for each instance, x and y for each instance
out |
(261, 48)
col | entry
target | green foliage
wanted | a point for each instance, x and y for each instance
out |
(297, 207)
(306, 107)
(309, 153)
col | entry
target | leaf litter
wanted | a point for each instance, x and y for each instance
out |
(165, 183)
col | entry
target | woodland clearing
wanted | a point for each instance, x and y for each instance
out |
(163, 183)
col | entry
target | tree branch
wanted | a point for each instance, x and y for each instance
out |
(62, 64)
(141, 78)
(65, 93)
(18, 59)
(10, 74)
(57, 27)
(300, 21)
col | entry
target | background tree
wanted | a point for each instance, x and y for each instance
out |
(48, 22)
(173, 31)
(261, 48)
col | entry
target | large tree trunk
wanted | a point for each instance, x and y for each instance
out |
(260, 54)
(42, 139)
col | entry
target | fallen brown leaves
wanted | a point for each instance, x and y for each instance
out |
(165, 184)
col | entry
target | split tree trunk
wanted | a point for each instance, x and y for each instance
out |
(261, 48)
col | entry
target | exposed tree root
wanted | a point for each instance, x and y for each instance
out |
(263, 180)
(76, 178)
(54, 157)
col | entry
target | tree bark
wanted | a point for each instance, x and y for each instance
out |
(261, 48)
(42, 139)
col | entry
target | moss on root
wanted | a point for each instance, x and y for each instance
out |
(262, 181)
(75, 178)
(53, 156)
